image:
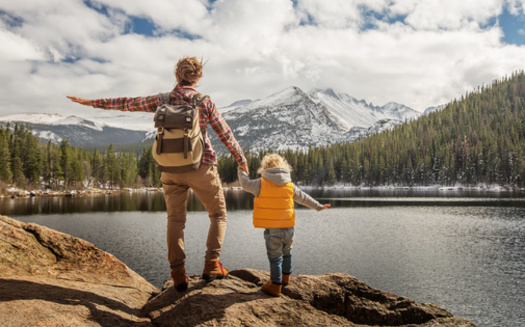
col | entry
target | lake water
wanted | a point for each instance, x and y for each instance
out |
(464, 251)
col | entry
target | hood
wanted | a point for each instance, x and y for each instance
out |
(278, 176)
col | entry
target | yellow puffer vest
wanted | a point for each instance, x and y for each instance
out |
(274, 207)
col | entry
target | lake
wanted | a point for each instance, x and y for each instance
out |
(463, 250)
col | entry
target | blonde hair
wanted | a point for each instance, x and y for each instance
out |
(188, 71)
(273, 160)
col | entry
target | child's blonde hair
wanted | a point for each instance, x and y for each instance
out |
(273, 160)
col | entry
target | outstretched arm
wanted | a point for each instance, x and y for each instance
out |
(147, 104)
(307, 201)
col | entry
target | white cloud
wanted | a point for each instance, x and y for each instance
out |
(331, 14)
(447, 14)
(15, 47)
(254, 48)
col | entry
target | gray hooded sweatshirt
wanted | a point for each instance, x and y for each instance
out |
(278, 176)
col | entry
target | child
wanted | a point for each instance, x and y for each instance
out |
(274, 210)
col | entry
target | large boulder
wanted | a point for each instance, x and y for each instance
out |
(48, 278)
(323, 300)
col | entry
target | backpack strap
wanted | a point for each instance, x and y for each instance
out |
(164, 97)
(198, 98)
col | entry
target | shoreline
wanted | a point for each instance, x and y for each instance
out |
(13, 193)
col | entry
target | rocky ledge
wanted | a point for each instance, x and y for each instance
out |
(48, 278)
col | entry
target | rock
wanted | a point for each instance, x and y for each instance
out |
(323, 300)
(48, 278)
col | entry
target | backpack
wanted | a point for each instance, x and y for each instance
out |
(179, 144)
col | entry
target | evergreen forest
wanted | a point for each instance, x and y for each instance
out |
(478, 139)
(27, 163)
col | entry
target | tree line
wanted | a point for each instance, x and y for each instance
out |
(476, 139)
(25, 162)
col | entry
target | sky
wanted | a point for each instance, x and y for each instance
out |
(419, 53)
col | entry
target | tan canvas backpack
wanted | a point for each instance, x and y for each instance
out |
(179, 144)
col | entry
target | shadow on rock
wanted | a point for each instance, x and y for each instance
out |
(101, 310)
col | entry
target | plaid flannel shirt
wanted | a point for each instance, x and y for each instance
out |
(208, 115)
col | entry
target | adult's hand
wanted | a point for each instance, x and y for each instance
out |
(327, 205)
(82, 101)
(244, 167)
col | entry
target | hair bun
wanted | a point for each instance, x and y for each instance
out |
(189, 70)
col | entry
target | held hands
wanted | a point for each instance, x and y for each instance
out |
(245, 168)
(82, 101)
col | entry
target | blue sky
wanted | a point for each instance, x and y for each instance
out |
(513, 27)
(419, 53)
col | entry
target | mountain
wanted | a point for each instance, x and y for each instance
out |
(235, 105)
(82, 132)
(290, 118)
(293, 119)
(351, 112)
(287, 119)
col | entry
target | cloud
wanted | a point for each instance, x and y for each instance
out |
(15, 47)
(447, 14)
(418, 53)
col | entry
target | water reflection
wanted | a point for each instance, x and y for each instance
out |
(137, 201)
(237, 199)
(125, 201)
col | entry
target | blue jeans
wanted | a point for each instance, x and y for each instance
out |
(279, 250)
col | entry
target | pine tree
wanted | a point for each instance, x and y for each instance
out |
(31, 157)
(16, 161)
(65, 162)
(77, 175)
(5, 165)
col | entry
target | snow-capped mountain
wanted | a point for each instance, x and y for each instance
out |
(290, 119)
(52, 120)
(296, 120)
(235, 105)
(287, 119)
(350, 112)
(115, 128)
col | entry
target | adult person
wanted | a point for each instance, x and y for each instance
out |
(204, 181)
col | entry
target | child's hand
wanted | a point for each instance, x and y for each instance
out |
(326, 205)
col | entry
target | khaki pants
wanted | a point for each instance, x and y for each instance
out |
(206, 184)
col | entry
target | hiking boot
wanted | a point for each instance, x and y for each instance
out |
(180, 279)
(286, 279)
(272, 288)
(213, 269)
